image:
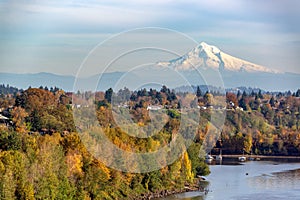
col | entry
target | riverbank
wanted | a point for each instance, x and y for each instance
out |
(196, 186)
(265, 180)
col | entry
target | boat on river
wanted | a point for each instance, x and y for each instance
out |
(219, 157)
(242, 159)
(209, 158)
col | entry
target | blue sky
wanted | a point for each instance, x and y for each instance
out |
(55, 36)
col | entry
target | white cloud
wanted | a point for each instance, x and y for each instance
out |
(109, 14)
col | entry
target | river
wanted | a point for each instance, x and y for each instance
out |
(257, 180)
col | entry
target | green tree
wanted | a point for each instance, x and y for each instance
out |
(198, 92)
(199, 167)
(10, 140)
(298, 93)
(14, 183)
(272, 101)
(108, 95)
(248, 143)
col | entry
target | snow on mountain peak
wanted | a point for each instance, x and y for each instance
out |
(208, 56)
(208, 48)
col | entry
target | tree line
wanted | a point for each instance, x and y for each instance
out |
(42, 155)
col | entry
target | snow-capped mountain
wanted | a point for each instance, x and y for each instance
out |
(207, 56)
(234, 72)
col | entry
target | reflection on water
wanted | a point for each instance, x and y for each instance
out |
(253, 180)
(187, 196)
(279, 180)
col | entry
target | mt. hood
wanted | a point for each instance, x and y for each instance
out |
(206, 56)
(197, 67)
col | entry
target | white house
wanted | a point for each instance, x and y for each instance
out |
(153, 107)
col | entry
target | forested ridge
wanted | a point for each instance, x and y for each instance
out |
(42, 155)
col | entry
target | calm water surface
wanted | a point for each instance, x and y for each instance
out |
(265, 180)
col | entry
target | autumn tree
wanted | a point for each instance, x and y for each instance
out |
(46, 110)
(18, 117)
(231, 99)
(208, 98)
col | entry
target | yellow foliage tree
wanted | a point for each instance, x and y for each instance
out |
(18, 117)
(187, 167)
(74, 163)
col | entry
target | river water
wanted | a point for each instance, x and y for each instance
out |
(255, 180)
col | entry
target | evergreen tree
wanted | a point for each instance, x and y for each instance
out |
(108, 94)
(243, 102)
(298, 93)
(272, 101)
(238, 95)
(198, 92)
(260, 95)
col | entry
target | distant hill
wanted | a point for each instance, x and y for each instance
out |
(36, 80)
(265, 81)
(53, 80)
(201, 66)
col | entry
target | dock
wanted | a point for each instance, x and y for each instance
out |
(259, 156)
